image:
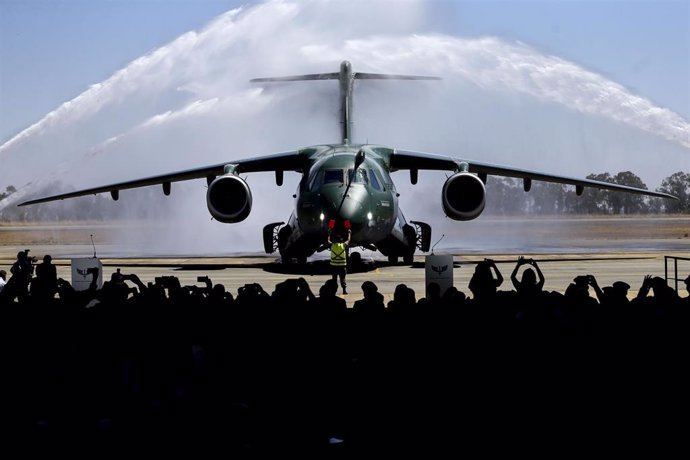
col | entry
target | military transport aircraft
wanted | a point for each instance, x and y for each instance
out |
(347, 185)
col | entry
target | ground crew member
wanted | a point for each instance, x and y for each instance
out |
(339, 257)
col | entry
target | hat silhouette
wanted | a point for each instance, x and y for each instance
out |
(621, 285)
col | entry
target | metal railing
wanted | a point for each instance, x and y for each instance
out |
(675, 269)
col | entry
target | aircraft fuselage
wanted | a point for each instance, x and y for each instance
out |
(332, 192)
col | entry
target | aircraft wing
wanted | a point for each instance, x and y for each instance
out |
(406, 159)
(284, 161)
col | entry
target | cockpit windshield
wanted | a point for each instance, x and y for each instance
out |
(374, 181)
(333, 176)
(359, 178)
(336, 176)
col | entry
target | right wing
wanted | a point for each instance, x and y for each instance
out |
(406, 159)
(285, 161)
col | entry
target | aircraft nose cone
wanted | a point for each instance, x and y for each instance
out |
(352, 210)
(350, 207)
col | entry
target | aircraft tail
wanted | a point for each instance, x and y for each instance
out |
(346, 78)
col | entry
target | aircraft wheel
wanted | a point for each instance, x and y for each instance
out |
(283, 235)
(392, 259)
(411, 237)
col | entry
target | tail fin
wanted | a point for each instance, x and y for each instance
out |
(346, 78)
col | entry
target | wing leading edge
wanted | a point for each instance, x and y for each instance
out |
(406, 159)
(400, 160)
(284, 161)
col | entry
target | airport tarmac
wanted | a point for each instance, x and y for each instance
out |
(626, 259)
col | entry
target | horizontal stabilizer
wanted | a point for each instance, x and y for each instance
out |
(313, 76)
(385, 76)
(336, 76)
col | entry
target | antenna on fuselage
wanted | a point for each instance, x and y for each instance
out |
(346, 78)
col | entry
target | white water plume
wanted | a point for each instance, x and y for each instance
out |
(189, 103)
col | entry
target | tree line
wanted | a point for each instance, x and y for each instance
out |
(505, 196)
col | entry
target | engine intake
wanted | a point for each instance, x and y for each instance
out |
(464, 196)
(229, 199)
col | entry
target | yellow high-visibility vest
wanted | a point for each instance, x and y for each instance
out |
(338, 254)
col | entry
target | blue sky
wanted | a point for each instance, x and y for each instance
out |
(52, 50)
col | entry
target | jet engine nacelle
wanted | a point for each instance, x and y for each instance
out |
(464, 196)
(229, 199)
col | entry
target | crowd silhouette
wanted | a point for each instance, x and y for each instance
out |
(194, 367)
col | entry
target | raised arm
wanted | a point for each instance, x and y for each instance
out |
(597, 290)
(499, 277)
(540, 283)
(513, 276)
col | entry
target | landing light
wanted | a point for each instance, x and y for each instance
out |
(322, 217)
(370, 216)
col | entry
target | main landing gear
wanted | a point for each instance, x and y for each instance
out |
(417, 236)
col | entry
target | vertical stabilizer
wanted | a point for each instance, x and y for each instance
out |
(346, 87)
(346, 79)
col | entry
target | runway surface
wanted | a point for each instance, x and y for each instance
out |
(610, 249)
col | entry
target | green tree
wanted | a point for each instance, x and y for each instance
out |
(547, 198)
(594, 200)
(627, 203)
(677, 184)
(503, 197)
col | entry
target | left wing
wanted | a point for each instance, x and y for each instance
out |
(284, 161)
(406, 159)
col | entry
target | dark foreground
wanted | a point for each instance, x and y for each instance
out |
(259, 375)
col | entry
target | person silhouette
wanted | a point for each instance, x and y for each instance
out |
(45, 284)
(663, 293)
(615, 295)
(22, 273)
(577, 292)
(530, 285)
(328, 302)
(373, 301)
(483, 284)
